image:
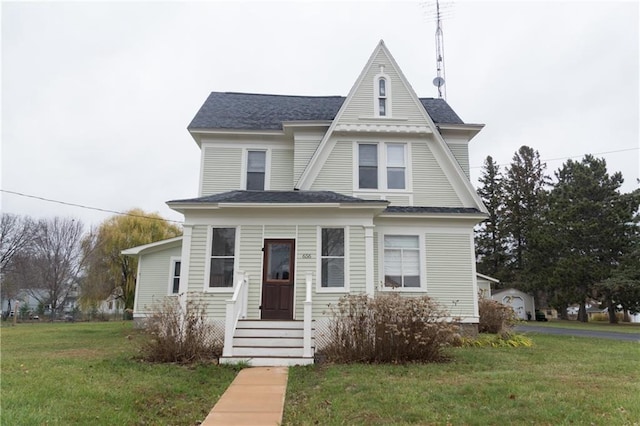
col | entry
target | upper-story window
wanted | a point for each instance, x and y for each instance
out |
(382, 94)
(256, 170)
(382, 166)
(368, 166)
(382, 97)
(396, 166)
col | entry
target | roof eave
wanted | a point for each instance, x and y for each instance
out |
(435, 215)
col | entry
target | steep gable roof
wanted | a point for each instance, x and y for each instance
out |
(252, 111)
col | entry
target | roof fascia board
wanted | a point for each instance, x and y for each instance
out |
(488, 278)
(134, 251)
(314, 165)
(471, 216)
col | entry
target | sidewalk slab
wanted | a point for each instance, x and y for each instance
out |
(254, 398)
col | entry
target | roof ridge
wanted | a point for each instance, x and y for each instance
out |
(280, 95)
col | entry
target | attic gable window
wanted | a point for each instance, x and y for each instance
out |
(382, 97)
(382, 94)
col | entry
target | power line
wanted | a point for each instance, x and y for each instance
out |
(86, 207)
(572, 157)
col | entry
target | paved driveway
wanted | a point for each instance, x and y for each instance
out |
(630, 337)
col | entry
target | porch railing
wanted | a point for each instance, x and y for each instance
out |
(236, 309)
(306, 352)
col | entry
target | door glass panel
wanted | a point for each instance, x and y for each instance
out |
(279, 255)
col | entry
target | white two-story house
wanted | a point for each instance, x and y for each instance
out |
(305, 199)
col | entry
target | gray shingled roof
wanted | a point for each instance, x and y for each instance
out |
(411, 209)
(252, 111)
(319, 197)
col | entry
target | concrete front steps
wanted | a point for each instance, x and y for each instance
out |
(268, 343)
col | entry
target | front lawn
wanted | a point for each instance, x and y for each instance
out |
(561, 380)
(623, 327)
(85, 373)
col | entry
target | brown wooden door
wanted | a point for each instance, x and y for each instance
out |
(277, 279)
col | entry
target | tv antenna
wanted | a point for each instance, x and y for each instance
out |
(438, 12)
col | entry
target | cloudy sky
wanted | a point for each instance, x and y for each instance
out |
(96, 96)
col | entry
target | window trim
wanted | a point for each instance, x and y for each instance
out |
(383, 185)
(172, 262)
(208, 255)
(245, 167)
(319, 288)
(421, 255)
(377, 96)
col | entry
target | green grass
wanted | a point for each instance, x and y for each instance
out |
(86, 373)
(623, 327)
(561, 380)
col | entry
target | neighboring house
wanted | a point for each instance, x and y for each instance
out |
(484, 285)
(305, 199)
(521, 302)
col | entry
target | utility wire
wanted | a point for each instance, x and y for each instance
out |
(566, 158)
(86, 207)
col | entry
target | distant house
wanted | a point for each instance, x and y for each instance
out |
(305, 199)
(522, 303)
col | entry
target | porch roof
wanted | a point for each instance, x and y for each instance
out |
(278, 197)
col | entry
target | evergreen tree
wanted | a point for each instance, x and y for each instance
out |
(490, 247)
(524, 198)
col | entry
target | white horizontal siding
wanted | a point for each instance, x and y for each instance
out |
(250, 262)
(402, 103)
(431, 187)
(398, 200)
(337, 172)
(450, 271)
(221, 169)
(357, 261)
(153, 273)
(306, 259)
(461, 153)
(305, 146)
(281, 170)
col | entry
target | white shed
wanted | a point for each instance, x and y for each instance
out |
(522, 303)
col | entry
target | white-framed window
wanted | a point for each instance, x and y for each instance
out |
(221, 258)
(382, 166)
(256, 170)
(382, 94)
(174, 275)
(368, 166)
(396, 165)
(332, 258)
(401, 261)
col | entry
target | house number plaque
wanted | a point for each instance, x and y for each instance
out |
(306, 256)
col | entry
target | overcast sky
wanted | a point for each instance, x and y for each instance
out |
(96, 97)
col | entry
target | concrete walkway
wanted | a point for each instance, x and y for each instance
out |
(254, 398)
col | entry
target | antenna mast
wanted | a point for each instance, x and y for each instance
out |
(439, 81)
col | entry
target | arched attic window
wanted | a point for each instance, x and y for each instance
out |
(382, 94)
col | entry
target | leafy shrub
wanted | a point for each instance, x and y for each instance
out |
(495, 317)
(388, 329)
(182, 335)
(499, 341)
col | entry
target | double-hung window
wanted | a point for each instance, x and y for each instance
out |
(256, 169)
(332, 257)
(401, 261)
(368, 166)
(175, 276)
(223, 243)
(396, 166)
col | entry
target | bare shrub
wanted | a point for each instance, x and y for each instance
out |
(495, 317)
(389, 329)
(182, 335)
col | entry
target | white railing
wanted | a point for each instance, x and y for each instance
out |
(236, 309)
(307, 319)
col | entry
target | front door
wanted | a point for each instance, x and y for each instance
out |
(277, 279)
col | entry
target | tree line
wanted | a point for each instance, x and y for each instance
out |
(570, 239)
(55, 260)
